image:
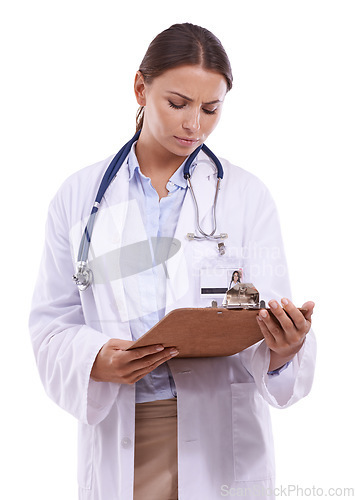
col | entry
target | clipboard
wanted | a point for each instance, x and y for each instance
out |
(205, 332)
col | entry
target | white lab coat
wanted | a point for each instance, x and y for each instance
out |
(225, 441)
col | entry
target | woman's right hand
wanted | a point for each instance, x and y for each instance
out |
(114, 364)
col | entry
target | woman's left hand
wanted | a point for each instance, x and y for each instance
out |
(285, 337)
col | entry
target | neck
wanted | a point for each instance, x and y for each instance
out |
(154, 160)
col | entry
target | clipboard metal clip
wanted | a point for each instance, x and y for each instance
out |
(243, 296)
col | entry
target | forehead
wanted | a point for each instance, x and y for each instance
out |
(194, 82)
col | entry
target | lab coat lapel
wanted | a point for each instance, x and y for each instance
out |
(118, 190)
(108, 237)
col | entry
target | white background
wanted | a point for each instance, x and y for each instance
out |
(67, 101)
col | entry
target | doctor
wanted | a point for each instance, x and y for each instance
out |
(150, 426)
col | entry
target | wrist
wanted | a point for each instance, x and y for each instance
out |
(277, 361)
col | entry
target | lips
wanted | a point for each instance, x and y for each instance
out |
(186, 141)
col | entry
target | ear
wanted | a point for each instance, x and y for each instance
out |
(139, 88)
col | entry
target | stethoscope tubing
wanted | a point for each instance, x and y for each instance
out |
(212, 235)
(109, 176)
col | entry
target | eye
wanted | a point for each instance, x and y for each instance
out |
(181, 106)
(175, 106)
(210, 111)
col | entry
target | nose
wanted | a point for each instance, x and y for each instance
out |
(192, 120)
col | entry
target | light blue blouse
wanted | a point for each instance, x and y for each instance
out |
(160, 219)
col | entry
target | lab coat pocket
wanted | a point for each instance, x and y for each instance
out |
(252, 435)
(85, 455)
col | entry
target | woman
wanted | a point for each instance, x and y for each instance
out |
(151, 426)
(235, 279)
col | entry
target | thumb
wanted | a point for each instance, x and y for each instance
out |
(120, 344)
(309, 306)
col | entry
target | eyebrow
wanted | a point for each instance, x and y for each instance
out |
(191, 100)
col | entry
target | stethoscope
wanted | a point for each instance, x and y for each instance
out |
(84, 276)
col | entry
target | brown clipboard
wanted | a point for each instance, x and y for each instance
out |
(205, 332)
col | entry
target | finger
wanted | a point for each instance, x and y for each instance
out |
(281, 316)
(269, 338)
(151, 363)
(149, 360)
(309, 306)
(142, 352)
(124, 345)
(273, 328)
(295, 314)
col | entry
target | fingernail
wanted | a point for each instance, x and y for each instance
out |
(174, 352)
(273, 304)
(284, 302)
(263, 313)
(159, 348)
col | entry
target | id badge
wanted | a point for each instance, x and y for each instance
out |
(215, 281)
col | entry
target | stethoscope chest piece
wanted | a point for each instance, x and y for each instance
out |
(83, 276)
(221, 248)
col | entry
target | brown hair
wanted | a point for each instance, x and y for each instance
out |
(183, 44)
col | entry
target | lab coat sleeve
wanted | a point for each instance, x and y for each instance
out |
(293, 383)
(267, 269)
(65, 347)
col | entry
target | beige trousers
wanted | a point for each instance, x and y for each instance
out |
(155, 460)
